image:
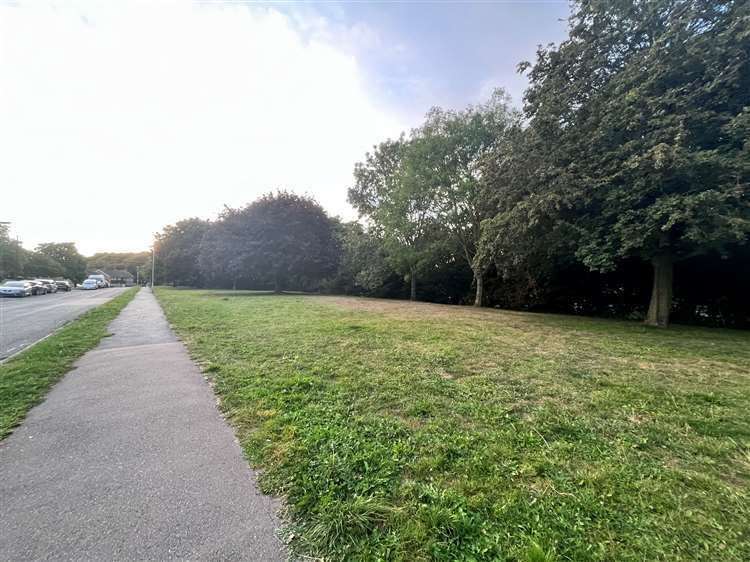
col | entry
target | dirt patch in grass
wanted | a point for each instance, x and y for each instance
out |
(409, 309)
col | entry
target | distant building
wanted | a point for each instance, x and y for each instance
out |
(121, 277)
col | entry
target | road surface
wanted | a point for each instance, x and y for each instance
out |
(128, 458)
(24, 321)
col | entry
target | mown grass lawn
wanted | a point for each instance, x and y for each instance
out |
(26, 379)
(424, 432)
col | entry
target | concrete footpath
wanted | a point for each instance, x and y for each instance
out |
(129, 459)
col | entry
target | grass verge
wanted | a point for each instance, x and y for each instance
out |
(421, 432)
(26, 378)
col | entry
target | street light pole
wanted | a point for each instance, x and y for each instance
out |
(153, 266)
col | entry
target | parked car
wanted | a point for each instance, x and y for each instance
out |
(16, 289)
(90, 284)
(64, 285)
(101, 279)
(49, 283)
(38, 288)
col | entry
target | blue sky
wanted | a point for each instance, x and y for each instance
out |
(419, 54)
(124, 116)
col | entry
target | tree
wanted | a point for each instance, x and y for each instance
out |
(528, 239)
(12, 255)
(283, 240)
(644, 111)
(398, 205)
(72, 263)
(41, 265)
(176, 249)
(363, 266)
(447, 154)
(221, 259)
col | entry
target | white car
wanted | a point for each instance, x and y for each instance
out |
(90, 284)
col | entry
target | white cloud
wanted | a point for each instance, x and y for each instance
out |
(117, 118)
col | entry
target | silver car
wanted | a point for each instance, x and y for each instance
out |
(38, 288)
(16, 289)
(90, 284)
(49, 284)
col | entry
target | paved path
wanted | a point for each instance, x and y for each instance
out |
(129, 459)
(24, 321)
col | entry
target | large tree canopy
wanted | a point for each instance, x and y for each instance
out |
(446, 154)
(72, 263)
(281, 240)
(644, 114)
(40, 265)
(425, 194)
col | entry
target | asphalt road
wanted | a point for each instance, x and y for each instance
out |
(26, 320)
(128, 458)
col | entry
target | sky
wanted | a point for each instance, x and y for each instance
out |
(118, 118)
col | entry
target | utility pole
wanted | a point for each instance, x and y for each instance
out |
(153, 266)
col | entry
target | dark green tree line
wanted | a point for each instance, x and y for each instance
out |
(641, 118)
(635, 145)
(280, 241)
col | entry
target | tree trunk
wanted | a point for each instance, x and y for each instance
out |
(479, 280)
(661, 295)
(413, 295)
(277, 287)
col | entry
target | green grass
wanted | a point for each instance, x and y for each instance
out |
(421, 432)
(26, 378)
